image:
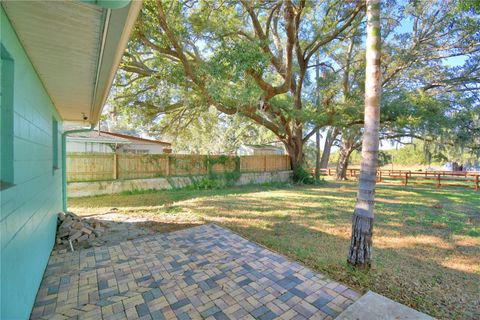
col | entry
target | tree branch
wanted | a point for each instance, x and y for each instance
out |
(317, 43)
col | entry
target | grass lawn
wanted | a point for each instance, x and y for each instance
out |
(426, 240)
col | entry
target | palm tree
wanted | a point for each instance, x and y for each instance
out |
(362, 226)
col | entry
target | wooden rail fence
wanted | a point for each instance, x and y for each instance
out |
(109, 166)
(439, 179)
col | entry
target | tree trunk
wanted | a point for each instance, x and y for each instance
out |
(294, 149)
(342, 164)
(317, 133)
(327, 147)
(350, 142)
(360, 253)
(348, 138)
(317, 155)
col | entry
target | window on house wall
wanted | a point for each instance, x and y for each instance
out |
(55, 143)
(6, 120)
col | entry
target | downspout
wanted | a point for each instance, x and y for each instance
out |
(64, 162)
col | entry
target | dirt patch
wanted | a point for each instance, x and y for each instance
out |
(119, 226)
(116, 227)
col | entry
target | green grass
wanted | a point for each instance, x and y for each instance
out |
(426, 240)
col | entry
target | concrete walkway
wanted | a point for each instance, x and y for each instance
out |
(372, 306)
(204, 272)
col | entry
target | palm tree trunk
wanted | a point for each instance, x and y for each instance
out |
(362, 226)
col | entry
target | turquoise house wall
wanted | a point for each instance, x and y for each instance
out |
(29, 208)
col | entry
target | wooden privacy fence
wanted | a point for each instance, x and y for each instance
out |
(439, 179)
(108, 166)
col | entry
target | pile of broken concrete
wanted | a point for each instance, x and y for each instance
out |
(73, 232)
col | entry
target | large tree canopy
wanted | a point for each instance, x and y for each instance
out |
(430, 78)
(245, 57)
(256, 60)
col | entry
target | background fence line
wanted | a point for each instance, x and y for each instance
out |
(469, 179)
(110, 166)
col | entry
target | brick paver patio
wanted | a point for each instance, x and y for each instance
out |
(205, 272)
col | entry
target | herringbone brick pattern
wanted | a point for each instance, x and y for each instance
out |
(206, 272)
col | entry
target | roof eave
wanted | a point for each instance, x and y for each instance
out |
(119, 24)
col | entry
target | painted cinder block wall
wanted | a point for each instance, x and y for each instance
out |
(29, 208)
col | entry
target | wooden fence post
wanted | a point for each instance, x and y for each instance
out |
(438, 183)
(207, 165)
(380, 180)
(167, 166)
(265, 163)
(115, 166)
(406, 178)
(476, 183)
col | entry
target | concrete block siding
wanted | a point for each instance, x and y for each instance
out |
(29, 208)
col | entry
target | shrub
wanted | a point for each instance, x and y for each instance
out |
(207, 183)
(302, 176)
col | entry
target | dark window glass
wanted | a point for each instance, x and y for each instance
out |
(6, 120)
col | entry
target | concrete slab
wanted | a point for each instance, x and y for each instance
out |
(373, 306)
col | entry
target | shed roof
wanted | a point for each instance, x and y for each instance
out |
(124, 136)
(111, 137)
(264, 146)
(96, 136)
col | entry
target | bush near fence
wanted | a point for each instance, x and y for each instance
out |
(106, 166)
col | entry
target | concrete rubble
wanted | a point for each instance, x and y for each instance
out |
(74, 232)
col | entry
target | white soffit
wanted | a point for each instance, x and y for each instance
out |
(75, 49)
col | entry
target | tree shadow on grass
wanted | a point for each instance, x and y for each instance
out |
(409, 272)
(332, 203)
(447, 192)
(398, 273)
(411, 207)
(164, 197)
